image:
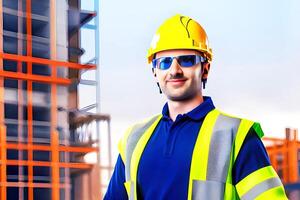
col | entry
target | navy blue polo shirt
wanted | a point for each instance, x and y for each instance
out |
(164, 167)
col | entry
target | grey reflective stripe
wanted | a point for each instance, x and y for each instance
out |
(261, 187)
(206, 190)
(223, 136)
(133, 138)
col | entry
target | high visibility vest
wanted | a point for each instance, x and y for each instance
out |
(218, 143)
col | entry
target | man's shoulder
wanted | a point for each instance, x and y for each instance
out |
(147, 119)
(245, 123)
(233, 116)
(141, 125)
(144, 123)
(135, 131)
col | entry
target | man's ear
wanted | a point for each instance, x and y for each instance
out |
(205, 70)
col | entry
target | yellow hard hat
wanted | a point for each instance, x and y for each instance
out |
(180, 32)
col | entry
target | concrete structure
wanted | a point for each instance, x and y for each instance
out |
(44, 136)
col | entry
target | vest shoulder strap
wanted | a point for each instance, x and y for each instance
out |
(131, 147)
(217, 146)
(132, 135)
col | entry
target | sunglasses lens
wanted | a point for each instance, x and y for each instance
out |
(184, 61)
(187, 60)
(164, 63)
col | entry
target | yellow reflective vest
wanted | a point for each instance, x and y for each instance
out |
(217, 146)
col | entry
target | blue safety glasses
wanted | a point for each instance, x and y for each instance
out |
(165, 63)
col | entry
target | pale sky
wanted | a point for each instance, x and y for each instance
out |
(254, 72)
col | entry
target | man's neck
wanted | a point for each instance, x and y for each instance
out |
(181, 107)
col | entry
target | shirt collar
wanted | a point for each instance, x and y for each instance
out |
(197, 113)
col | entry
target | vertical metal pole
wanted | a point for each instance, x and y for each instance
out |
(29, 100)
(54, 133)
(2, 126)
(20, 100)
(98, 100)
(97, 54)
(3, 161)
(285, 169)
(97, 62)
(292, 157)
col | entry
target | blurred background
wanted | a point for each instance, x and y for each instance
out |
(74, 76)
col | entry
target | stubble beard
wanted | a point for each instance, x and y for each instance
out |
(189, 93)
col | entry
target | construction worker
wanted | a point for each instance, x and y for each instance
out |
(192, 150)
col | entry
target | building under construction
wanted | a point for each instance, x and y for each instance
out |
(284, 157)
(45, 134)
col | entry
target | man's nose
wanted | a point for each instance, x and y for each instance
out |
(175, 68)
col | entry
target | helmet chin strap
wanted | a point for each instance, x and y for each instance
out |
(160, 92)
(203, 70)
(204, 81)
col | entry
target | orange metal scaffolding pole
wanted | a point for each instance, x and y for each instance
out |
(49, 164)
(2, 125)
(35, 78)
(21, 146)
(3, 160)
(54, 134)
(44, 61)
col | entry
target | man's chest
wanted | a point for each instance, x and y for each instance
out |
(166, 159)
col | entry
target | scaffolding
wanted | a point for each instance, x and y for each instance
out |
(44, 135)
(284, 158)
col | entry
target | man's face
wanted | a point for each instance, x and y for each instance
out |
(179, 83)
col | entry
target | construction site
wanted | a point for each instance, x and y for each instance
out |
(46, 133)
(284, 157)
